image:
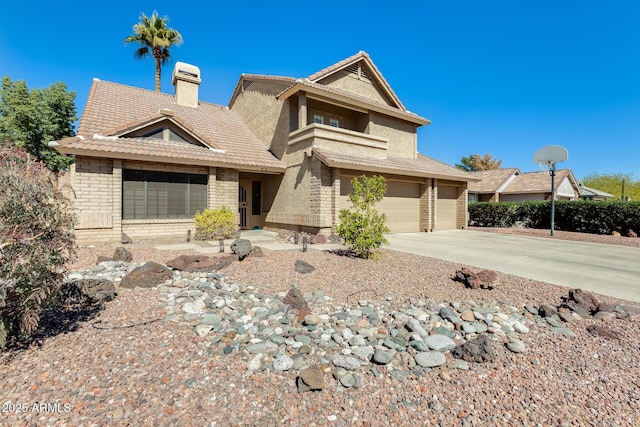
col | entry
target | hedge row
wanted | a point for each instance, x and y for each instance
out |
(583, 216)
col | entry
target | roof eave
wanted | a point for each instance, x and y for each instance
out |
(149, 157)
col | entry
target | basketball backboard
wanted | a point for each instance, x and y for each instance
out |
(550, 155)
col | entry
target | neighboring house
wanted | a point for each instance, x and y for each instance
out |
(282, 155)
(587, 193)
(511, 185)
(491, 184)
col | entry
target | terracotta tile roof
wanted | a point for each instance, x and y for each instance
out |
(536, 182)
(592, 192)
(360, 56)
(422, 166)
(311, 82)
(491, 180)
(112, 108)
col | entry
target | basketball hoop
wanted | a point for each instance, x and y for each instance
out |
(546, 158)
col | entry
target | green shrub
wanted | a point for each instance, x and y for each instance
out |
(36, 242)
(583, 216)
(218, 223)
(362, 227)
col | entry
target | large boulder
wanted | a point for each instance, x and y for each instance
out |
(241, 247)
(485, 279)
(147, 276)
(86, 292)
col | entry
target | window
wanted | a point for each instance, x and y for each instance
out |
(334, 122)
(256, 198)
(317, 118)
(165, 134)
(324, 118)
(162, 195)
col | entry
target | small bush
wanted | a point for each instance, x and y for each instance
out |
(363, 228)
(218, 223)
(36, 242)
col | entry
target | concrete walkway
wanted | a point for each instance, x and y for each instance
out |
(605, 269)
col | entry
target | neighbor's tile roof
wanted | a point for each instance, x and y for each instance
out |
(422, 166)
(491, 180)
(112, 107)
(588, 191)
(535, 182)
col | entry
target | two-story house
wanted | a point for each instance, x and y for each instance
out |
(282, 155)
(337, 124)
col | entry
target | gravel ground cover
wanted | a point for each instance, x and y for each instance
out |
(134, 368)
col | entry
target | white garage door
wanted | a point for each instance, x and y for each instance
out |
(401, 204)
(447, 207)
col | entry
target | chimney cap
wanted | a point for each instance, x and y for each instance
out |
(185, 71)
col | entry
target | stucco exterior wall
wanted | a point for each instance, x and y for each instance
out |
(348, 81)
(402, 135)
(267, 117)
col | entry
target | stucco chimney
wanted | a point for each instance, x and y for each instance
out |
(186, 79)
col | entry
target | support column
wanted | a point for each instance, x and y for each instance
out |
(302, 110)
(116, 191)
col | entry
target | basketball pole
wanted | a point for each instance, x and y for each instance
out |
(552, 172)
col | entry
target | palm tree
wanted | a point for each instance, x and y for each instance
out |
(155, 39)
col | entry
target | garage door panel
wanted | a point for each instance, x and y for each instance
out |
(447, 208)
(401, 204)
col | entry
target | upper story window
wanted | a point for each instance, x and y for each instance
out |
(324, 118)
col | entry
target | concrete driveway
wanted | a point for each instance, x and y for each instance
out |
(605, 269)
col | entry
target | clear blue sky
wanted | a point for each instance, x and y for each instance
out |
(498, 77)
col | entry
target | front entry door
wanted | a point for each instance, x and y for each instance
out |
(250, 204)
(242, 206)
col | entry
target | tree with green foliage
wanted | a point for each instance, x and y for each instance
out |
(32, 118)
(363, 227)
(612, 184)
(155, 40)
(476, 162)
(36, 242)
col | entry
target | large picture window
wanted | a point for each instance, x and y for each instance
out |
(162, 195)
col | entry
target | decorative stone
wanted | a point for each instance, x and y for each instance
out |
(282, 363)
(303, 267)
(382, 357)
(516, 346)
(148, 275)
(477, 350)
(439, 342)
(485, 279)
(241, 247)
(430, 359)
(122, 254)
(310, 379)
(86, 291)
(346, 362)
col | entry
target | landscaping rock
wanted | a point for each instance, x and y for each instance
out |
(485, 279)
(241, 247)
(304, 267)
(603, 331)
(477, 350)
(317, 239)
(310, 379)
(124, 239)
(583, 303)
(122, 254)
(256, 252)
(147, 276)
(632, 234)
(87, 291)
(430, 359)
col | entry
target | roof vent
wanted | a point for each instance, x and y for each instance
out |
(186, 79)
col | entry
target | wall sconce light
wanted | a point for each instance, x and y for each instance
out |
(304, 244)
(221, 242)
